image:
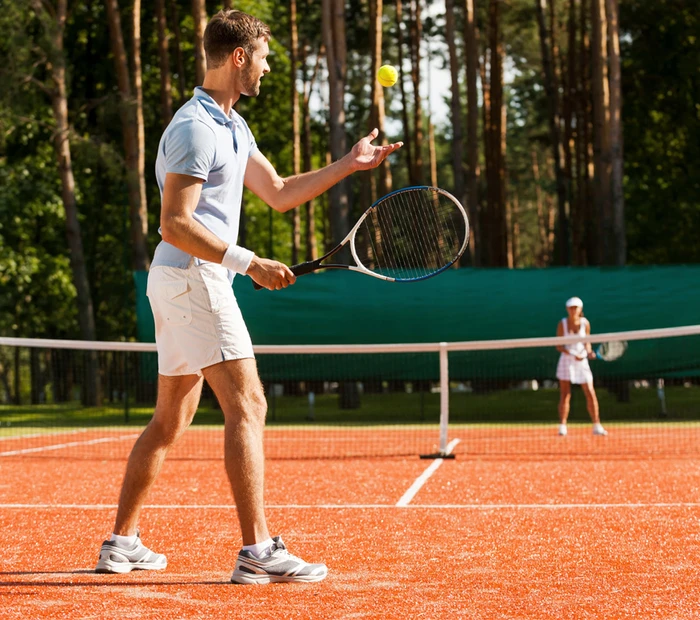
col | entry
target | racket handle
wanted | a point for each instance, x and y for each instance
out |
(297, 270)
(302, 268)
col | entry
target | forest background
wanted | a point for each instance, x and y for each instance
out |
(569, 128)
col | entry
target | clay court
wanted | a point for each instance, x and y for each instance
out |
(598, 528)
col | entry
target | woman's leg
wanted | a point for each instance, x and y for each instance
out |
(564, 401)
(591, 402)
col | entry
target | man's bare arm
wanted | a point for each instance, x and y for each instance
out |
(283, 194)
(180, 197)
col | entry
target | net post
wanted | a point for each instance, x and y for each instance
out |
(126, 390)
(444, 406)
(444, 396)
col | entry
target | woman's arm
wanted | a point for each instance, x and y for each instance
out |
(589, 348)
(560, 332)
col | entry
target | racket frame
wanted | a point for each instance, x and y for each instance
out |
(599, 355)
(309, 266)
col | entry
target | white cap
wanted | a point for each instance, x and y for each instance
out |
(574, 301)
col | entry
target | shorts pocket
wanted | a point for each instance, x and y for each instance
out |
(217, 286)
(176, 308)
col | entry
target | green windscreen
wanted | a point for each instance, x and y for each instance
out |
(466, 305)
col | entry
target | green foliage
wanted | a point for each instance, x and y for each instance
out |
(661, 113)
(661, 118)
(36, 289)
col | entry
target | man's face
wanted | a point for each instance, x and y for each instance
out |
(255, 69)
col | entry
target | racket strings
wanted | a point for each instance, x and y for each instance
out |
(412, 234)
(417, 247)
(610, 351)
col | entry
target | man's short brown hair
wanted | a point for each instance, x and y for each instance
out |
(228, 30)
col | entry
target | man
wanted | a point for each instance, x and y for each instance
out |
(206, 155)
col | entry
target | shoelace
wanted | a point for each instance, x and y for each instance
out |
(280, 546)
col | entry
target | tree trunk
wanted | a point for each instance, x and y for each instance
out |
(552, 90)
(334, 40)
(587, 215)
(199, 15)
(619, 249)
(296, 136)
(36, 392)
(166, 95)
(496, 168)
(140, 128)
(177, 37)
(601, 130)
(503, 171)
(59, 101)
(311, 246)
(514, 231)
(407, 136)
(416, 38)
(433, 155)
(572, 136)
(7, 397)
(455, 103)
(544, 254)
(377, 113)
(472, 64)
(17, 378)
(127, 112)
(484, 211)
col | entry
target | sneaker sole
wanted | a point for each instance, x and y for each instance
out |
(248, 579)
(125, 567)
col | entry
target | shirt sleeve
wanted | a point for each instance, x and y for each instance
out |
(190, 149)
(252, 144)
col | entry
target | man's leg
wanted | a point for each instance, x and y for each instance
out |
(177, 402)
(240, 394)
(178, 398)
(238, 388)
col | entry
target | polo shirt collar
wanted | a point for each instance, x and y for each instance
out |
(212, 107)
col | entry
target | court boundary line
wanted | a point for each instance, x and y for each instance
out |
(425, 476)
(633, 505)
(46, 434)
(70, 444)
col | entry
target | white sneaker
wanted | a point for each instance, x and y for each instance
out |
(278, 566)
(599, 430)
(562, 430)
(117, 559)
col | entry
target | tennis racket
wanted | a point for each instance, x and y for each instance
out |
(610, 351)
(408, 235)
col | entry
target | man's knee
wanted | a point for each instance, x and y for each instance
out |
(254, 406)
(167, 430)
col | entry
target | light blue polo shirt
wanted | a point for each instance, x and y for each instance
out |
(201, 141)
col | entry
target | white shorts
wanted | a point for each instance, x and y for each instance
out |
(198, 322)
(571, 369)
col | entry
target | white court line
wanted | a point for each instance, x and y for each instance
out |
(32, 435)
(60, 446)
(361, 506)
(423, 478)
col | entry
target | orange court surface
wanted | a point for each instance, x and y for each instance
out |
(496, 533)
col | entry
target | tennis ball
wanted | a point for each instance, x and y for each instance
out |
(387, 75)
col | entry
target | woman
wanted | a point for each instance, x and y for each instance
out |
(573, 366)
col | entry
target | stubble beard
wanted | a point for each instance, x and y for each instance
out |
(251, 83)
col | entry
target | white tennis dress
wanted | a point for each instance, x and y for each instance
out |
(569, 368)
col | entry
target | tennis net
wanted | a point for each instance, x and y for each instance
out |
(474, 399)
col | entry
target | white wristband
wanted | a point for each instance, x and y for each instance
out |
(237, 259)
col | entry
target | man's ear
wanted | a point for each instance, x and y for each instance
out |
(238, 57)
